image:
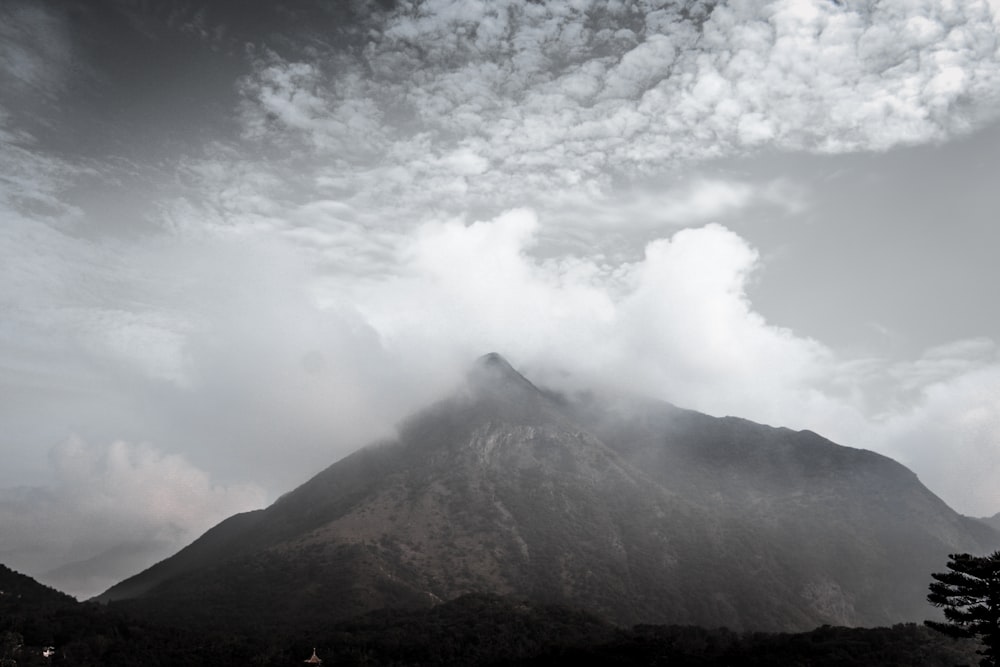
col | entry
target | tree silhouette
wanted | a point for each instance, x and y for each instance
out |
(10, 642)
(969, 593)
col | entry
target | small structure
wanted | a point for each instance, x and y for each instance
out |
(313, 659)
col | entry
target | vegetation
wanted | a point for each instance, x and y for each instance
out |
(472, 631)
(969, 593)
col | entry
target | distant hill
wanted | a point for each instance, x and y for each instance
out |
(992, 521)
(95, 573)
(20, 589)
(633, 510)
(34, 616)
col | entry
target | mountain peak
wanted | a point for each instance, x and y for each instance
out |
(493, 373)
(495, 360)
(492, 376)
(492, 370)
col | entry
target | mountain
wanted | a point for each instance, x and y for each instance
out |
(634, 510)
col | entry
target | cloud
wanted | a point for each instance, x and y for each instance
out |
(676, 324)
(451, 106)
(646, 209)
(951, 436)
(35, 52)
(273, 331)
(100, 497)
(243, 337)
(944, 363)
(334, 115)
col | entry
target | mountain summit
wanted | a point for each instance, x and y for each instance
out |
(495, 367)
(635, 510)
(492, 375)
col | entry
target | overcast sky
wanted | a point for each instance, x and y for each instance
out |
(239, 239)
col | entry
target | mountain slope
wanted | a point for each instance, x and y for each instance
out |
(634, 510)
(855, 532)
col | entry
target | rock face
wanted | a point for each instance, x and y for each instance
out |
(634, 510)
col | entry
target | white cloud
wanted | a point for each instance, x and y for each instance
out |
(99, 497)
(944, 363)
(677, 324)
(471, 104)
(333, 114)
(640, 68)
(995, 9)
(951, 437)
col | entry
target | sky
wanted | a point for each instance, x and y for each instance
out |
(240, 239)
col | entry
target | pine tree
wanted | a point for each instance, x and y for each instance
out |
(969, 593)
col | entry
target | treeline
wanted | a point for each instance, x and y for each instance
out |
(476, 630)
(490, 631)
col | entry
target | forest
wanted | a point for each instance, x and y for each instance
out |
(475, 630)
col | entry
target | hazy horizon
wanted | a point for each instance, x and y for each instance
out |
(239, 240)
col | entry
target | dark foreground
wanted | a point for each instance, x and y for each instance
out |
(473, 630)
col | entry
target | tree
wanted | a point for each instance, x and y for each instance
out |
(969, 593)
(10, 643)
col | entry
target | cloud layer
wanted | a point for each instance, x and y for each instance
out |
(467, 101)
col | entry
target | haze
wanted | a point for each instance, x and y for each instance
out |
(239, 240)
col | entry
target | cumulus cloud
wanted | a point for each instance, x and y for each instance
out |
(333, 115)
(676, 323)
(100, 497)
(474, 99)
(951, 435)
